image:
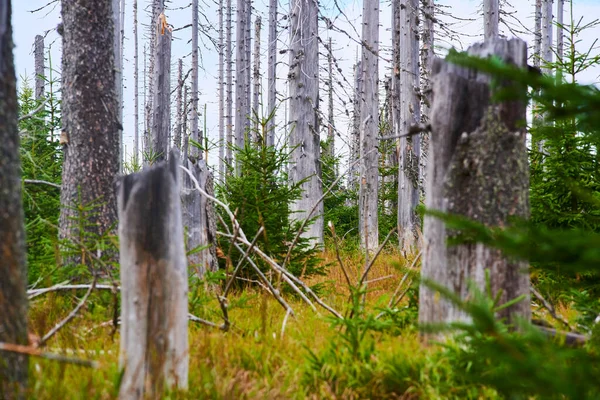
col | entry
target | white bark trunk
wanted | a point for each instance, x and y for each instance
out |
(303, 113)
(221, 95)
(40, 74)
(271, 72)
(196, 136)
(560, 39)
(154, 284)
(369, 128)
(161, 102)
(241, 65)
(228, 89)
(546, 45)
(410, 114)
(136, 86)
(118, 49)
(330, 117)
(179, 124)
(355, 134)
(256, 78)
(491, 18)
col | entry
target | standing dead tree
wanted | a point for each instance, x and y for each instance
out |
(154, 287)
(491, 18)
(304, 140)
(221, 91)
(272, 72)
(242, 66)
(228, 89)
(161, 102)
(478, 169)
(196, 136)
(13, 269)
(40, 75)
(119, 34)
(256, 80)
(136, 88)
(369, 129)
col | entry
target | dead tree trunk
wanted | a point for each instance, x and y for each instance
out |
(136, 86)
(154, 306)
(410, 114)
(221, 95)
(256, 79)
(537, 43)
(491, 18)
(560, 38)
(199, 218)
(118, 10)
(546, 45)
(161, 112)
(90, 135)
(196, 135)
(272, 72)
(304, 104)
(355, 134)
(179, 105)
(40, 75)
(13, 268)
(427, 54)
(241, 65)
(228, 90)
(368, 221)
(478, 169)
(330, 117)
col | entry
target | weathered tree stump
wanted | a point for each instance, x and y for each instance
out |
(154, 305)
(199, 217)
(478, 169)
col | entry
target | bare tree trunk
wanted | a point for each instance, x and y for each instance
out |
(154, 287)
(157, 9)
(13, 267)
(147, 123)
(256, 78)
(196, 136)
(248, 70)
(478, 169)
(272, 72)
(136, 86)
(179, 125)
(355, 134)
(410, 147)
(118, 49)
(427, 54)
(491, 18)
(161, 112)
(90, 134)
(228, 89)
(546, 44)
(241, 65)
(369, 129)
(186, 116)
(304, 104)
(40, 75)
(560, 39)
(537, 44)
(221, 95)
(330, 118)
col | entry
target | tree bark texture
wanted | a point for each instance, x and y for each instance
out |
(199, 218)
(118, 49)
(13, 268)
(242, 64)
(272, 72)
(90, 135)
(179, 105)
(409, 114)
(136, 86)
(355, 134)
(256, 80)
(560, 38)
(228, 88)
(330, 116)
(369, 129)
(546, 45)
(40, 74)
(221, 94)
(427, 54)
(304, 138)
(161, 102)
(491, 18)
(537, 44)
(196, 136)
(154, 287)
(478, 169)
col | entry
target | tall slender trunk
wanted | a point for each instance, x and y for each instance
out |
(272, 72)
(560, 39)
(491, 18)
(427, 55)
(221, 95)
(118, 49)
(304, 104)
(355, 134)
(369, 128)
(537, 44)
(330, 117)
(179, 125)
(161, 103)
(196, 136)
(410, 146)
(241, 65)
(228, 89)
(136, 86)
(256, 78)
(248, 69)
(546, 44)
(40, 74)
(13, 267)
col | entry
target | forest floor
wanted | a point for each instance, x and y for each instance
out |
(311, 356)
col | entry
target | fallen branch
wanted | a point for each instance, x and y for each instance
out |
(550, 308)
(33, 293)
(40, 182)
(32, 351)
(69, 317)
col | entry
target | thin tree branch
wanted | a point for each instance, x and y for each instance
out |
(32, 351)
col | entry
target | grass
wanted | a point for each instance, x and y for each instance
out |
(311, 359)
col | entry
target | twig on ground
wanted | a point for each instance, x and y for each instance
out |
(32, 351)
(40, 182)
(550, 309)
(69, 317)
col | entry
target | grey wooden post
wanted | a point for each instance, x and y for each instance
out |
(154, 285)
(478, 168)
